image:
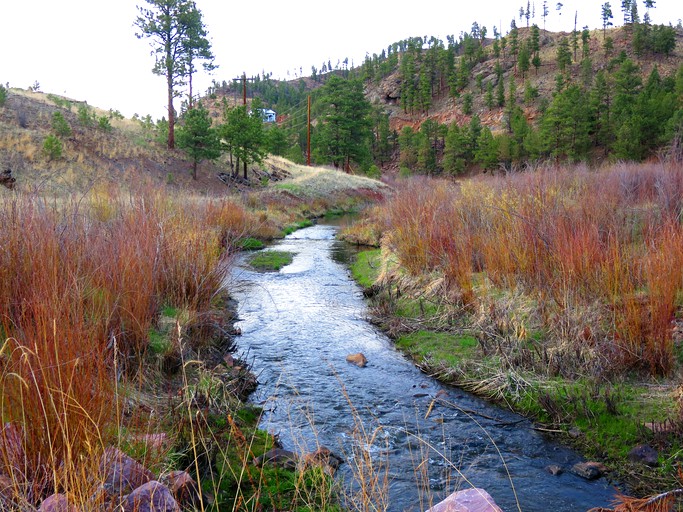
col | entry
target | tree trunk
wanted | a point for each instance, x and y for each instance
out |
(245, 168)
(190, 71)
(194, 170)
(236, 170)
(171, 112)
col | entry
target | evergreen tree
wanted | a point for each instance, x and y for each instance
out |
(456, 149)
(407, 143)
(428, 144)
(500, 92)
(535, 47)
(601, 111)
(523, 59)
(60, 125)
(566, 125)
(196, 136)
(196, 47)
(467, 104)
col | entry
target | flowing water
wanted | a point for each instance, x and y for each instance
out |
(299, 325)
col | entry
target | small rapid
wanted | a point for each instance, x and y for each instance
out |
(299, 324)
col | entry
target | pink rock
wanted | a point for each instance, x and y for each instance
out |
(468, 500)
(151, 497)
(121, 473)
(56, 503)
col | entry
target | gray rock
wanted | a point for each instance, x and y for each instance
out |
(468, 500)
(554, 469)
(644, 454)
(278, 457)
(151, 497)
(589, 470)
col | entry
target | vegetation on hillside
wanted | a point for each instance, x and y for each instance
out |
(476, 102)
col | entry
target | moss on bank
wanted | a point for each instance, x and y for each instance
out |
(271, 260)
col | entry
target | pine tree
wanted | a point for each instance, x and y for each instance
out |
(606, 17)
(488, 98)
(346, 131)
(523, 59)
(486, 154)
(177, 36)
(196, 136)
(564, 56)
(601, 111)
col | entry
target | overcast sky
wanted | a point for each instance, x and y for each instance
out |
(87, 49)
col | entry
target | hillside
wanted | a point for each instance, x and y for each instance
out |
(446, 108)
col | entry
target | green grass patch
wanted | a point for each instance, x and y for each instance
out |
(365, 269)
(441, 347)
(290, 187)
(169, 311)
(306, 223)
(250, 244)
(158, 342)
(340, 211)
(271, 260)
(407, 307)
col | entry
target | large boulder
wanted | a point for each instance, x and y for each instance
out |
(468, 500)
(357, 359)
(122, 473)
(151, 497)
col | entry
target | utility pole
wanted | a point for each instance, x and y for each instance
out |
(244, 88)
(308, 137)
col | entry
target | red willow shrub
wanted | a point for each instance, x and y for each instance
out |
(571, 236)
(83, 281)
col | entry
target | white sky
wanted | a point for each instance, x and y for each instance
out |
(87, 49)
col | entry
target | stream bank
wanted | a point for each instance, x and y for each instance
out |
(414, 438)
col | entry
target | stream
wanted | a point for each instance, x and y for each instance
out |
(299, 324)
